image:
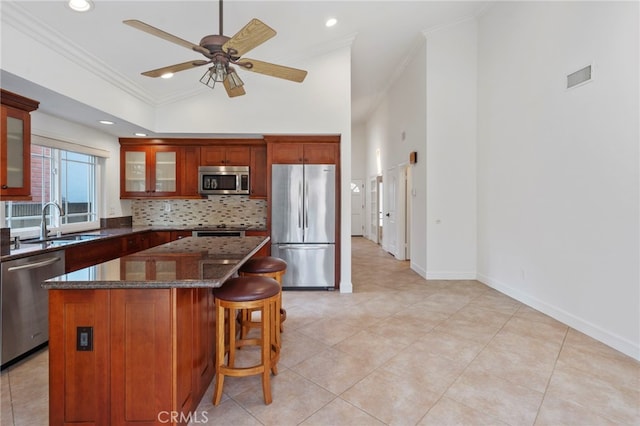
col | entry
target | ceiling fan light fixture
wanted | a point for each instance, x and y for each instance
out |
(215, 74)
(234, 79)
(80, 5)
(167, 75)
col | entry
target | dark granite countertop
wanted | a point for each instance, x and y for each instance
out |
(28, 248)
(187, 263)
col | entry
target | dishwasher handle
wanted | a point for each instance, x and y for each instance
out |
(34, 265)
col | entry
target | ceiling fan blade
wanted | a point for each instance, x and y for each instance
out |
(250, 36)
(175, 68)
(233, 91)
(164, 35)
(274, 70)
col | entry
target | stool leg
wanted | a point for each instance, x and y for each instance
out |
(232, 338)
(266, 352)
(220, 349)
(275, 344)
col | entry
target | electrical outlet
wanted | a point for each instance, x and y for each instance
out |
(84, 339)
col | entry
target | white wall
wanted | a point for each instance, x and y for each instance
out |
(433, 101)
(359, 152)
(56, 128)
(451, 151)
(403, 110)
(558, 174)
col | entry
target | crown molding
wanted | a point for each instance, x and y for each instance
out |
(18, 18)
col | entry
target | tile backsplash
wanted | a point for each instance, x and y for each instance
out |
(230, 210)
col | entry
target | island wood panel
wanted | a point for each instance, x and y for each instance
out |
(152, 354)
(80, 378)
(141, 355)
(203, 340)
(183, 349)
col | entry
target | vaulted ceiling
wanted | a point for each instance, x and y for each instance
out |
(381, 35)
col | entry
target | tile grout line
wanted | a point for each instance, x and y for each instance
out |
(555, 363)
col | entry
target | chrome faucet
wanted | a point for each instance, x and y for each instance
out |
(44, 234)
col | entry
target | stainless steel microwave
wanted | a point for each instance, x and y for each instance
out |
(223, 180)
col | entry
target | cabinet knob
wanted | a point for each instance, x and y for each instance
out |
(4, 187)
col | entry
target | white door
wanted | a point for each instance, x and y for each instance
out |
(389, 242)
(357, 207)
(373, 210)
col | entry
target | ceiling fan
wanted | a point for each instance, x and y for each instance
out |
(222, 53)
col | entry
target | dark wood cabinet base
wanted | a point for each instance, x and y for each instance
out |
(151, 354)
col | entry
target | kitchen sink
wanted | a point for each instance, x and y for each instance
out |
(65, 239)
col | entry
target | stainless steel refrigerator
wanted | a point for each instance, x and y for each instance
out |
(303, 216)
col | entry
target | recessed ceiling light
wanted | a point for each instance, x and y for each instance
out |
(167, 75)
(105, 122)
(140, 134)
(80, 5)
(331, 22)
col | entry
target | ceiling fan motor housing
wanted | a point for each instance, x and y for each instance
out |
(213, 43)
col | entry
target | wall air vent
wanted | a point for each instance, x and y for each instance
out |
(579, 77)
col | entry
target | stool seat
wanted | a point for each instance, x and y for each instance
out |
(246, 290)
(263, 265)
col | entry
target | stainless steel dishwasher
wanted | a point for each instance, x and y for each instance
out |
(24, 308)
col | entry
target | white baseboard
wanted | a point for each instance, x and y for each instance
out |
(619, 343)
(346, 287)
(451, 275)
(418, 270)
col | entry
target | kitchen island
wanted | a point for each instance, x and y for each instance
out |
(132, 340)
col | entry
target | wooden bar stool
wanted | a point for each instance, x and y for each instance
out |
(257, 293)
(265, 266)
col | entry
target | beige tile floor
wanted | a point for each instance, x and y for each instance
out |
(404, 351)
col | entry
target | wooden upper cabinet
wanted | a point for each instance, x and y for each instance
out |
(150, 171)
(305, 153)
(15, 146)
(320, 153)
(221, 155)
(258, 170)
(189, 176)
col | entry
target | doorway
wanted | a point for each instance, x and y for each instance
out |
(357, 208)
(374, 232)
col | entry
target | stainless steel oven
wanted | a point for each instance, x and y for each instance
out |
(223, 180)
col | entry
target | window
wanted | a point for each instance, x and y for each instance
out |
(65, 177)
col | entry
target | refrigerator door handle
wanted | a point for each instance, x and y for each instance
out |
(300, 205)
(306, 204)
(302, 247)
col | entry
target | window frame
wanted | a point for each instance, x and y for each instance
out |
(56, 225)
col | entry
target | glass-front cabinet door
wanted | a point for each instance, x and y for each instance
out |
(15, 179)
(166, 167)
(135, 178)
(149, 171)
